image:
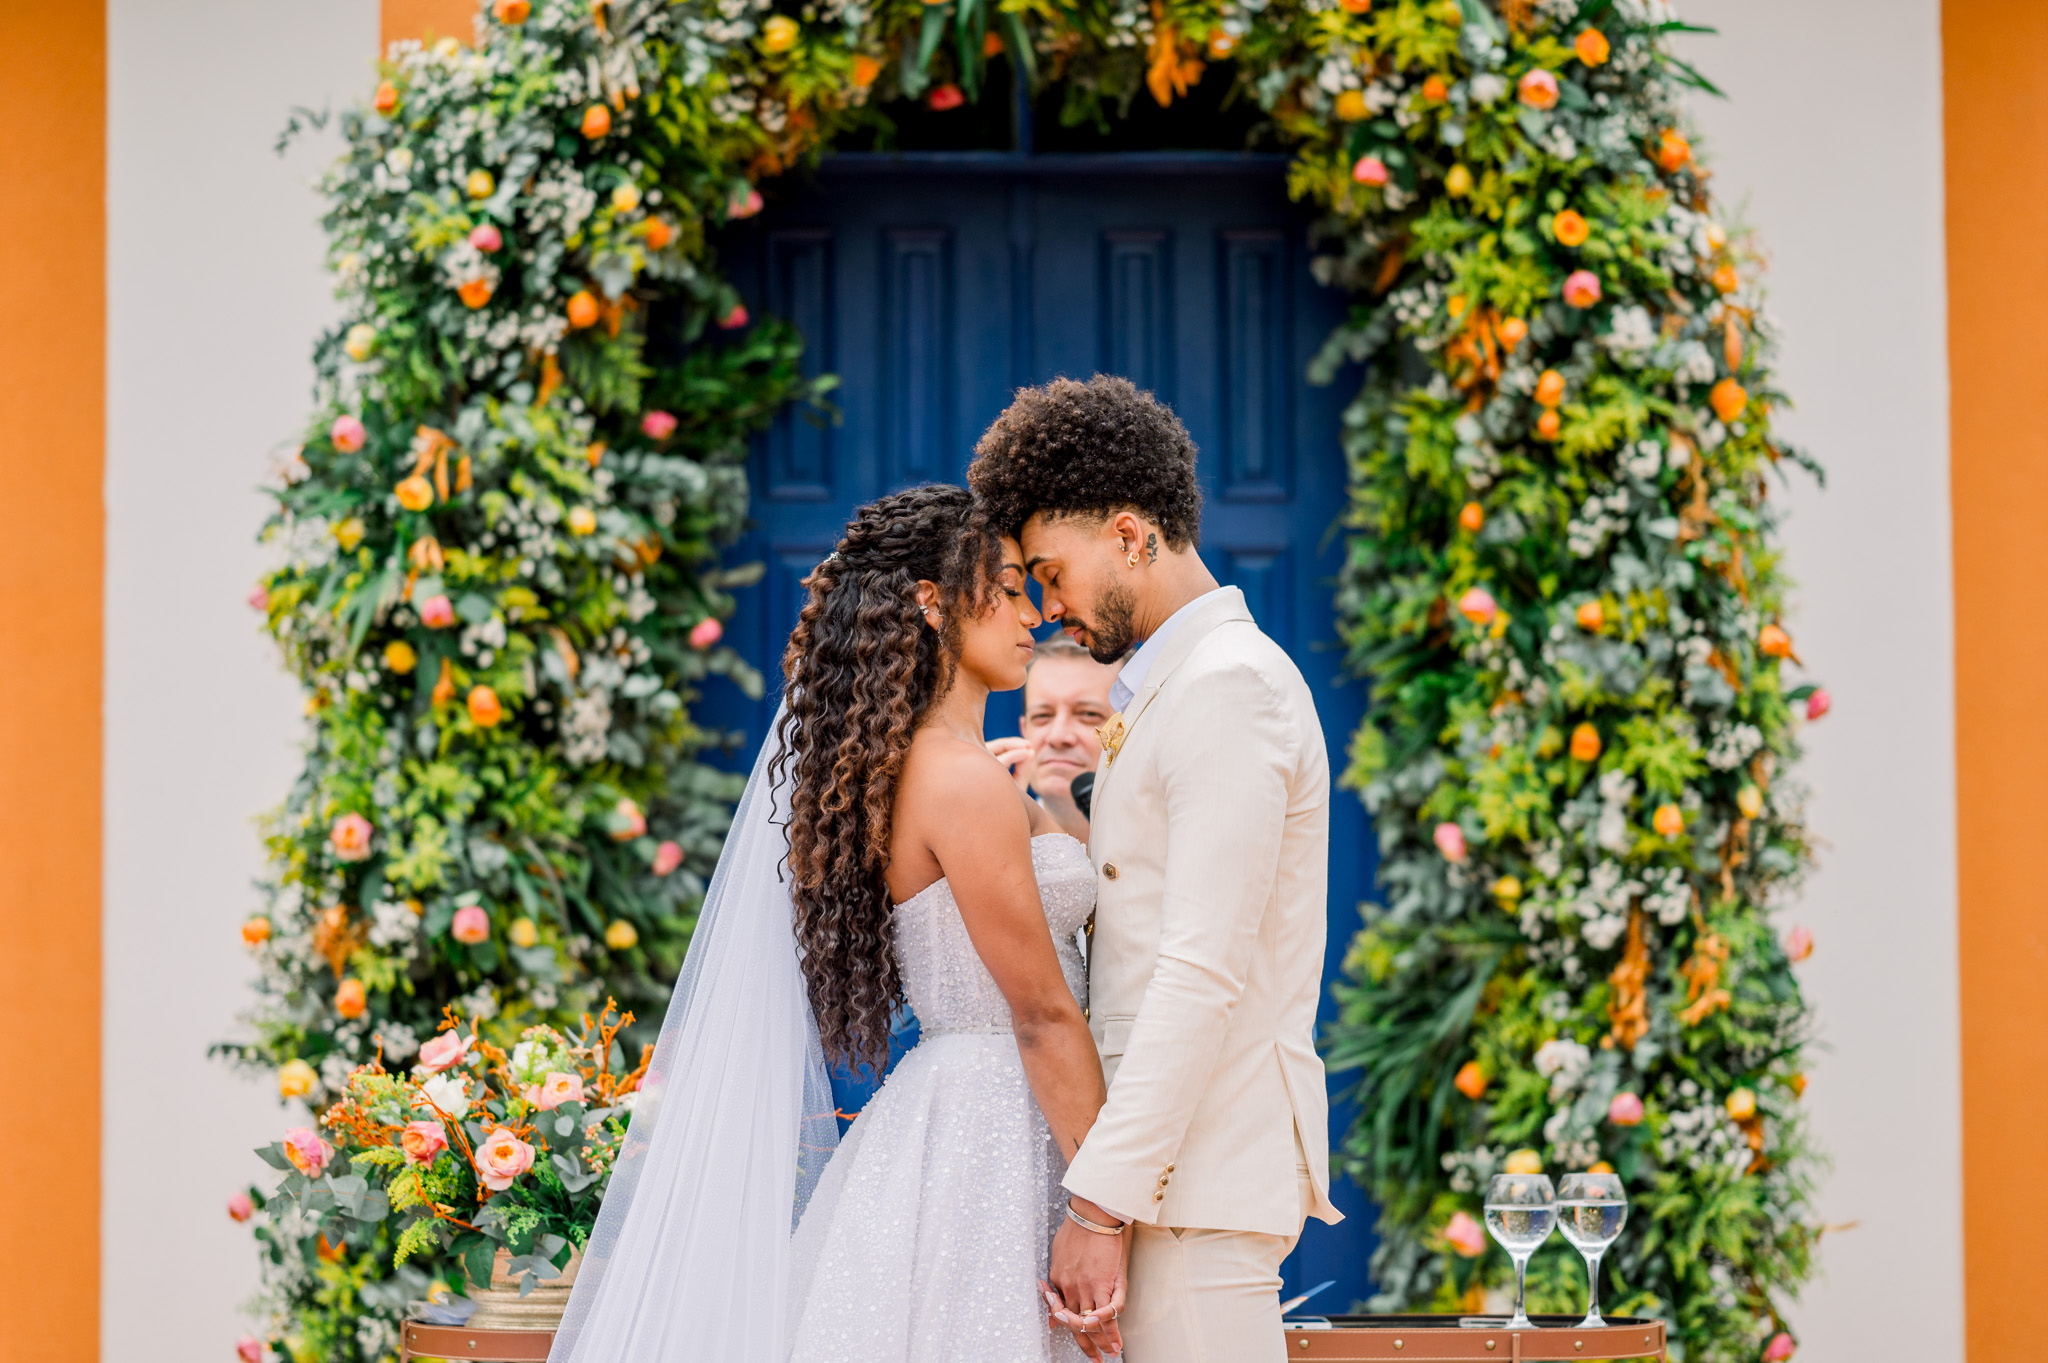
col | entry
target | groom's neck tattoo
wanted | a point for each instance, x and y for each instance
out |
(1151, 546)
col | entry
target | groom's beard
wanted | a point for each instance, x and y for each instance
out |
(1111, 634)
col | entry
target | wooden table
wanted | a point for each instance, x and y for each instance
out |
(1393, 1339)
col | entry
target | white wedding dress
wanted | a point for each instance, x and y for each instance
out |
(928, 1234)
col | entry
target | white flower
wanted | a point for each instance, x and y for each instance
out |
(394, 925)
(448, 1092)
(1488, 87)
(1564, 1062)
(399, 160)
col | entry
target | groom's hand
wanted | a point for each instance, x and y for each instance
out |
(1087, 1270)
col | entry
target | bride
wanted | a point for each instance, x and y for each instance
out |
(880, 856)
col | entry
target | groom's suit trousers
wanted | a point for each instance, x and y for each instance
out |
(1207, 1296)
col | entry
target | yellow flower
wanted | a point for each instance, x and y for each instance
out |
(349, 533)
(1458, 183)
(415, 493)
(1351, 106)
(582, 521)
(778, 34)
(1508, 891)
(1742, 1104)
(523, 932)
(480, 184)
(625, 198)
(295, 1079)
(621, 935)
(400, 657)
(1750, 801)
(1523, 1162)
(361, 337)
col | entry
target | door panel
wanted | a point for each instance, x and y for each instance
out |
(935, 292)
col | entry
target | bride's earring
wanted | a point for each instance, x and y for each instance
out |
(933, 618)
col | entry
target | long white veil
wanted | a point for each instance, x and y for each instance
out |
(732, 1126)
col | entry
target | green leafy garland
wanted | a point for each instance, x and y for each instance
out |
(499, 579)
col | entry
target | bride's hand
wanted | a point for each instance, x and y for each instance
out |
(1088, 1273)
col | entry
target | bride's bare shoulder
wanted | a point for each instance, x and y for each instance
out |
(947, 779)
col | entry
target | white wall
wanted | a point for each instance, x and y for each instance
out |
(216, 290)
(1831, 136)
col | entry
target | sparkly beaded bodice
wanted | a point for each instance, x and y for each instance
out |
(948, 987)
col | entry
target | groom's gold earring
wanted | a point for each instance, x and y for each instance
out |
(1131, 560)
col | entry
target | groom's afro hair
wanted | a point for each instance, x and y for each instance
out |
(1089, 449)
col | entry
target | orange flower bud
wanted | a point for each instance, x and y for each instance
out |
(1592, 47)
(1570, 228)
(1471, 1080)
(1726, 280)
(658, 233)
(1550, 388)
(582, 309)
(1434, 90)
(1548, 425)
(1728, 399)
(1590, 616)
(475, 293)
(1742, 1104)
(415, 493)
(1351, 106)
(595, 453)
(1472, 516)
(597, 121)
(444, 685)
(1797, 1083)
(1585, 743)
(511, 11)
(1221, 44)
(1669, 821)
(386, 98)
(484, 709)
(1356, 6)
(1512, 332)
(256, 931)
(1673, 151)
(350, 1001)
(865, 69)
(1773, 642)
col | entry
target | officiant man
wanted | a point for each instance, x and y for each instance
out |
(1066, 699)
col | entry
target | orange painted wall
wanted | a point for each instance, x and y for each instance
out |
(1996, 135)
(53, 63)
(427, 19)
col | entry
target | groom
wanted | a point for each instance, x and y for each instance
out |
(1211, 847)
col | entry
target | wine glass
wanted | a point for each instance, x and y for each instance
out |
(1520, 1211)
(1591, 1210)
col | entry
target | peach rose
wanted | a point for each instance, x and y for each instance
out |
(484, 708)
(706, 632)
(422, 1142)
(1780, 1348)
(554, 1090)
(1798, 944)
(1370, 170)
(582, 309)
(1478, 606)
(307, 1152)
(597, 121)
(1465, 1236)
(1669, 821)
(1592, 47)
(502, 1158)
(347, 433)
(658, 425)
(667, 857)
(627, 822)
(256, 931)
(471, 925)
(351, 1000)
(1582, 289)
(259, 599)
(437, 612)
(1537, 89)
(1450, 840)
(443, 1052)
(240, 1208)
(295, 1079)
(1471, 1080)
(486, 238)
(1625, 1110)
(249, 1349)
(350, 838)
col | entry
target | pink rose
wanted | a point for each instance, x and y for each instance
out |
(1780, 1348)
(1370, 170)
(1464, 1235)
(260, 600)
(1582, 288)
(437, 612)
(307, 1152)
(486, 238)
(501, 1158)
(447, 1050)
(627, 822)
(735, 319)
(240, 1208)
(1819, 703)
(350, 838)
(658, 425)
(471, 925)
(1478, 606)
(1450, 840)
(347, 433)
(1798, 945)
(667, 857)
(422, 1142)
(249, 1349)
(745, 204)
(1625, 1110)
(706, 632)
(1537, 89)
(553, 1091)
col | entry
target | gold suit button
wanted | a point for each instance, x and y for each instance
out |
(1170, 1168)
(1109, 870)
(1159, 1197)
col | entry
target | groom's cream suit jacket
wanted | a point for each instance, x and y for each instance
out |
(1210, 839)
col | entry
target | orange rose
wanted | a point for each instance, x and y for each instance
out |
(1472, 516)
(386, 98)
(1351, 106)
(1585, 743)
(256, 931)
(1728, 399)
(475, 293)
(1548, 425)
(1727, 280)
(1537, 89)
(1591, 47)
(1773, 642)
(350, 1000)
(597, 121)
(1221, 44)
(1549, 388)
(658, 233)
(1669, 821)
(1673, 151)
(511, 11)
(1357, 6)
(582, 309)
(1570, 229)
(865, 69)
(1590, 616)
(1434, 90)
(1512, 332)
(1471, 1080)
(484, 709)
(415, 493)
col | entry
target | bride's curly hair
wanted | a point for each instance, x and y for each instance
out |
(863, 667)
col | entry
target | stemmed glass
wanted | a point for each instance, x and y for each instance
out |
(1520, 1211)
(1591, 1210)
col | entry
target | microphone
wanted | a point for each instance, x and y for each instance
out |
(1083, 789)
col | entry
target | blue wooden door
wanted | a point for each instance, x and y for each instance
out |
(936, 285)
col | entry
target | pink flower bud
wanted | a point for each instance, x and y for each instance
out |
(744, 204)
(627, 822)
(240, 1208)
(471, 926)
(1370, 170)
(706, 632)
(486, 238)
(667, 857)
(1464, 1235)
(1478, 606)
(1819, 703)
(1582, 288)
(249, 1349)
(1780, 1348)
(437, 612)
(1450, 840)
(1625, 1110)
(735, 319)
(347, 433)
(260, 599)
(658, 425)
(1798, 945)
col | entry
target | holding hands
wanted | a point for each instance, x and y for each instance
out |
(1088, 1266)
